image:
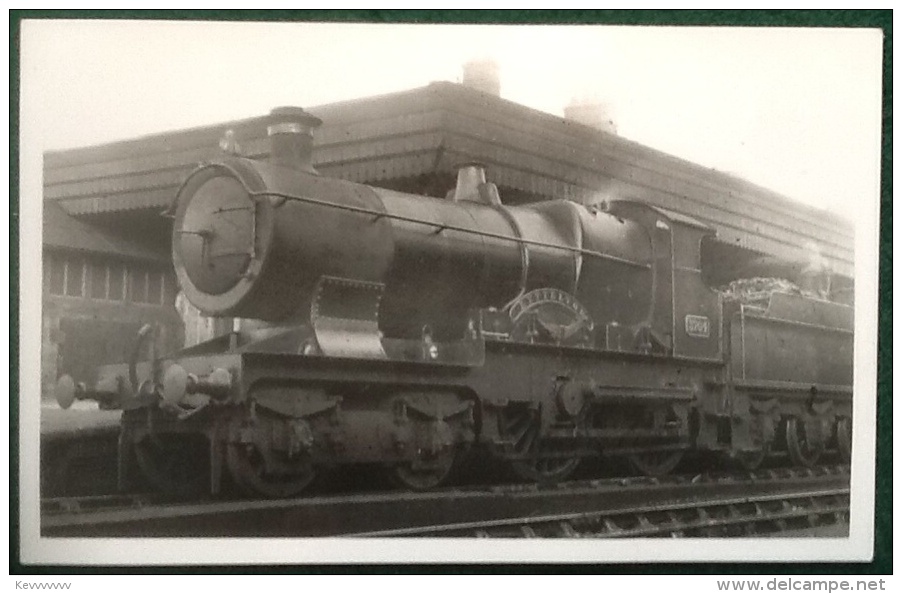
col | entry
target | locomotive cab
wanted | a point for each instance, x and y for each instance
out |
(685, 315)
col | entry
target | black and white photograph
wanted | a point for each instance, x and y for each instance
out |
(300, 292)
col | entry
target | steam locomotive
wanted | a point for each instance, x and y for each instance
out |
(374, 326)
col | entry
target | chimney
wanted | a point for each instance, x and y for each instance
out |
(483, 75)
(590, 112)
(290, 133)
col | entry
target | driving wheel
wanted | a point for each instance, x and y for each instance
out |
(425, 471)
(535, 460)
(656, 463)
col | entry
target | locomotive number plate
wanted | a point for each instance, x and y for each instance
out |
(698, 326)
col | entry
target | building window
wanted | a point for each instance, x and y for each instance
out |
(170, 288)
(137, 285)
(155, 287)
(45, 272)
(75, 277)
(147, 286)
(57, 265)
(97, 279)
(116, 282)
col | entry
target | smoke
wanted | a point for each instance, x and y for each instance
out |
(607, 191)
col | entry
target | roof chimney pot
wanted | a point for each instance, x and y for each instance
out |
(483, 75)
(592, 113)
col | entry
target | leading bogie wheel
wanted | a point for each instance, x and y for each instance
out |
(281, 477)
(176, 465)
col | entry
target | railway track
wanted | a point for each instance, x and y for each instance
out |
(686, 505)
(741, 516)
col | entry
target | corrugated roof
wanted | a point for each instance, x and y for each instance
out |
(63, 231)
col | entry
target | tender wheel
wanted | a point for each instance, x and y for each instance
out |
(751, 460)
(844, 439)
(424, 472)
(545, 470)
(656, 463)
(176, 465)
(286, 477)
(762, 436)
(804, 442)
(523, 427)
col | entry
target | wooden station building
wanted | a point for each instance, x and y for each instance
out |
(107, 249)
